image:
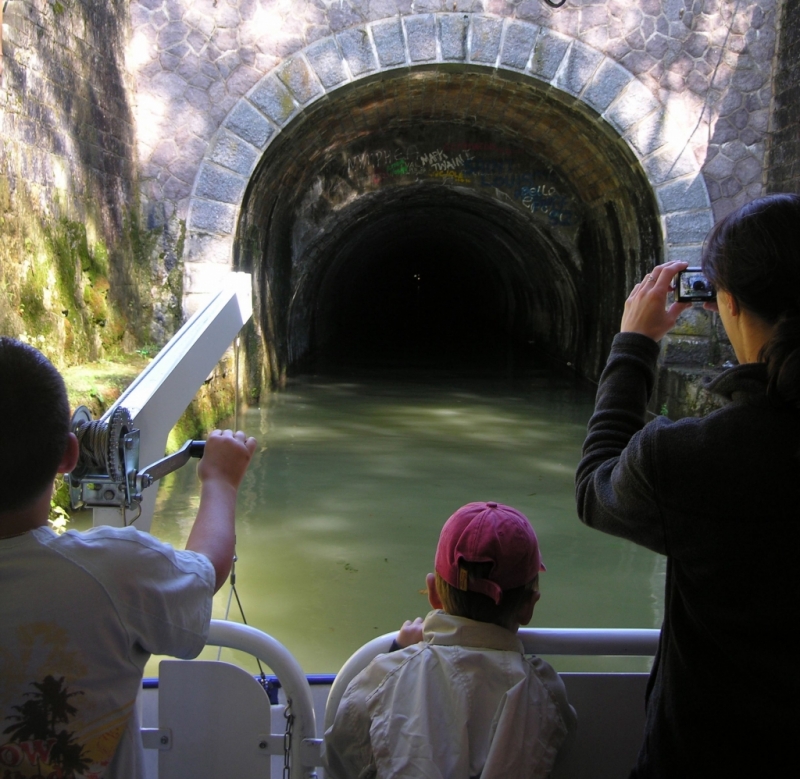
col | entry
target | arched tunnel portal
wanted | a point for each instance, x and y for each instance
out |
(436, 217)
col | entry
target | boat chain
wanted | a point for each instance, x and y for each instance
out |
(263, 681)
(287, 739)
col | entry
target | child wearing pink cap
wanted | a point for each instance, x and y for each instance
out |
(460, 699)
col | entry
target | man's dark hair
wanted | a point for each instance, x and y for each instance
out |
(35, 427)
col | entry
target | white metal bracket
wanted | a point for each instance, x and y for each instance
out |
(157, 738)
(311, 752)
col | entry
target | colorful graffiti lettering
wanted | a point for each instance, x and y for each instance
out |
(543, 190)
(451, 176)
(463, 168)
(396, 163)
(439, 160)
(399, 168)
(546, 200)
(373, 159)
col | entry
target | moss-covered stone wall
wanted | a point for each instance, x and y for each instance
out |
(80, 276)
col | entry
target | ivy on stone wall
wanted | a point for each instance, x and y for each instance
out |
(70, 294)
(81, 275)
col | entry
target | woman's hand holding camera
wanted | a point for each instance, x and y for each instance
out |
(646, 311)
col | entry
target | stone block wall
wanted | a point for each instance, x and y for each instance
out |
(783, 171)
(80, 275)
(254, 68)
(116, 109)
(710, 60)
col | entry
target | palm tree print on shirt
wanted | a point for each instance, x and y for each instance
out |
(35, 737)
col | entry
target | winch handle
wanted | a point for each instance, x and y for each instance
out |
(171, 462)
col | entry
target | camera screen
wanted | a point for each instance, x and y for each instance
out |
(693, 285)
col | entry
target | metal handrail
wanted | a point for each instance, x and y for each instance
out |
(540, 641)
(234, 635)
(590, 641)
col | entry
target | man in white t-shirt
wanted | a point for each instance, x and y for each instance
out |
(81, 613)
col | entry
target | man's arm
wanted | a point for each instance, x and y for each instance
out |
(221, 471)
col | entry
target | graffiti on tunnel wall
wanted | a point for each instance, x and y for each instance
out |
(478, 165)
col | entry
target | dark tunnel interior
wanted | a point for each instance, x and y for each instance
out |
(422, 288)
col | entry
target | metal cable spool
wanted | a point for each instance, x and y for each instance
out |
(107, 474)
(101, 443)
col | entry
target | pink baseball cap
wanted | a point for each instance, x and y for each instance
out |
(488, 533)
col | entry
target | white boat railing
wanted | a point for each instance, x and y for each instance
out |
(590, 641)
(537, 641)
(606, 744)
(295, 685)
(215, 720)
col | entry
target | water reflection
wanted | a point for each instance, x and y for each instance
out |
(340, 513)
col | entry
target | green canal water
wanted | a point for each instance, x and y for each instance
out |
(341, 509)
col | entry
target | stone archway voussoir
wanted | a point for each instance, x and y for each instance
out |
(573, 70)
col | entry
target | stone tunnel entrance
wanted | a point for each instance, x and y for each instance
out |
(435, 216)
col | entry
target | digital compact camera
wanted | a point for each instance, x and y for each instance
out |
(691, 285)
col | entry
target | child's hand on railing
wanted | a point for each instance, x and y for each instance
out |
(410, 633)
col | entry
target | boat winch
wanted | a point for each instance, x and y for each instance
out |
(107, 474)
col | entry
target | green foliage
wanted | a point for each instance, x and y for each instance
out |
(75, 287)
(148, 350)
(72, 296)
(59, 516)
(82, 289)
(142, 242)
(31, 303)
(59, 519)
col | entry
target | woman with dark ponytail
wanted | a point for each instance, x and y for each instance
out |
(753, 258)
(720, 497)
